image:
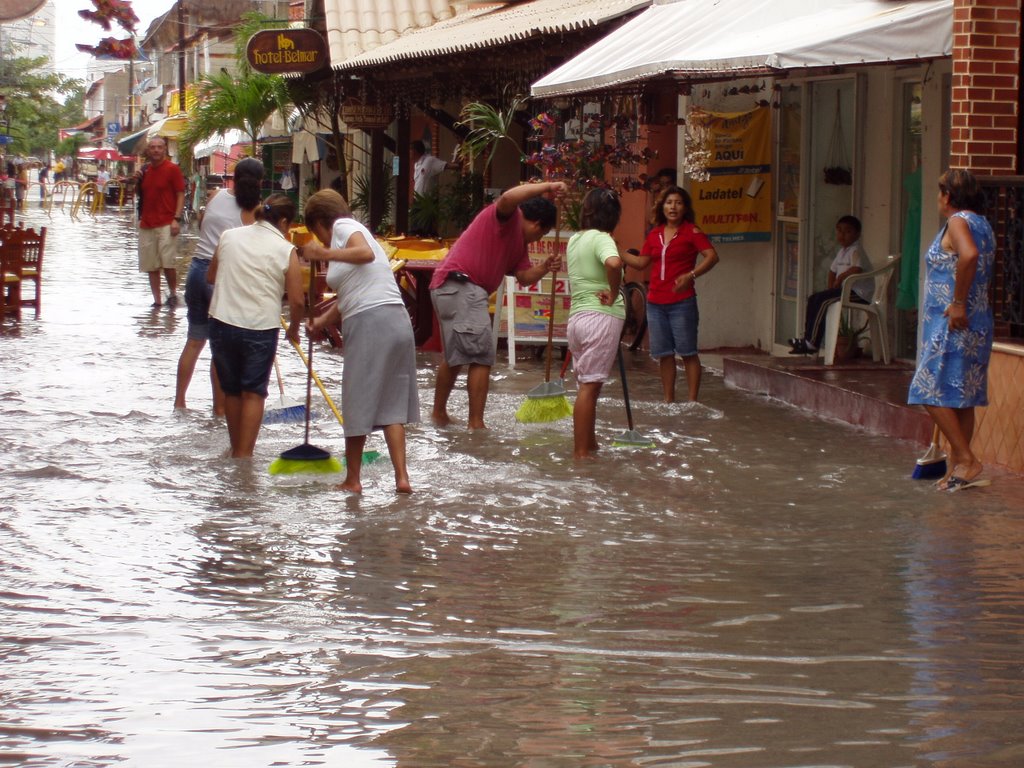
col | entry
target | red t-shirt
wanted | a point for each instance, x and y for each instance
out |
(488, 250)
(670, 261)
(161, 185)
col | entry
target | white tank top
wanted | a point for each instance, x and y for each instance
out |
(222, 213)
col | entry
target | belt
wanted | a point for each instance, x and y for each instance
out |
(459, 277)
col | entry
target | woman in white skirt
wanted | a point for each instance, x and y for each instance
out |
(379, 378)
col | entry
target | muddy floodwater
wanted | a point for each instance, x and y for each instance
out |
(762, 589)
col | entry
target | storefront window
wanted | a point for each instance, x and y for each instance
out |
(789, 152)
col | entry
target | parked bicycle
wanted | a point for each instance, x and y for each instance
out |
(634, 296)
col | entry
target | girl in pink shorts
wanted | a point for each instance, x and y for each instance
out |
(596, 313)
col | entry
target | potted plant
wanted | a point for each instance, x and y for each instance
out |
(848, 340)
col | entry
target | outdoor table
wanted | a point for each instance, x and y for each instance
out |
(421, 257)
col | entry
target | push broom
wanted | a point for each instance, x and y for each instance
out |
(285, 409)
(305, 458)
(630, 438)
(547, 401)
(283, 466)
(933, 463)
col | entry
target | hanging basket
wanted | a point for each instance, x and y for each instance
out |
(838, 170)
(837, 174)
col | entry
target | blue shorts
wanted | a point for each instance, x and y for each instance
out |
(243, 357)
(198, 293)
(673, 328)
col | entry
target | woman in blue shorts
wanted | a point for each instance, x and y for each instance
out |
(226, 210)
(672, 248)
(251, 269)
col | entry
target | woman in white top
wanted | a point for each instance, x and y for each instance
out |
(251, 269)
(229, 209)
(379, 378)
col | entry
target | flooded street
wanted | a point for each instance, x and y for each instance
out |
(762, 589)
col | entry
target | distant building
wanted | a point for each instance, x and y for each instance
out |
(34, 36)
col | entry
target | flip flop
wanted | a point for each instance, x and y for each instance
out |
(960, 484)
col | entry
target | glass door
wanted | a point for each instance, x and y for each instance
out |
(787, 215)
(817, 180)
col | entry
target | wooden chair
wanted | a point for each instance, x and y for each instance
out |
(10, 270)
(6, 208)
(877, 312)
(31, 244)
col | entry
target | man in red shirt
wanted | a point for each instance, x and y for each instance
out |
(494, 245)
(162, 187)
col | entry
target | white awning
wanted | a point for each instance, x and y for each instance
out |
(220, 142)
(719, 38)
(494, 25)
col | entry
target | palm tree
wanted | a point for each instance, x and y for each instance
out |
(488, 127)
(226, 102)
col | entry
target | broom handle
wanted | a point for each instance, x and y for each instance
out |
(309, 387)
(308, 362)
(625, 390)
(280, 381)
(565, 363)
(319, 384)
(551, 319)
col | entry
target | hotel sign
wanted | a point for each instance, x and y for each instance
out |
(277, 51)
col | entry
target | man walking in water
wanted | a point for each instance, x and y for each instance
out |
(161, 186)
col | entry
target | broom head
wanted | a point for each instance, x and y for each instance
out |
(545, 402)
(931, 465)
(304, 459)
(284, 411)
(632, 439)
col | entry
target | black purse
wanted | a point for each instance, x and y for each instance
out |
(138, 190)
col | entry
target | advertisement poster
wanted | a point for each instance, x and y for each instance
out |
(734, 204)
(528, 308)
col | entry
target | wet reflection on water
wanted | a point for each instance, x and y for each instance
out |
(761, 589)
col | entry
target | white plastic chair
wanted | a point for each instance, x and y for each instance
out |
(877, 312)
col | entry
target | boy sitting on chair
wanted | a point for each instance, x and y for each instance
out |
(848, 261)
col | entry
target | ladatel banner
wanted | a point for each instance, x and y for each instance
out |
(734, 204)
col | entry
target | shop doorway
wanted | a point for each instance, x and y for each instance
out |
(817, 183)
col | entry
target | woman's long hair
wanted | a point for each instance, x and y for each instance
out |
(248, 181)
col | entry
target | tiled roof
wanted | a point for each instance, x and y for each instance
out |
(480, 27)
(357, 26)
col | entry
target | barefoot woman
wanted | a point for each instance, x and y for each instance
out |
(378, 382)
(956, 339)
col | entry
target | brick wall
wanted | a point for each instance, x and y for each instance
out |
(999, 431)
(986, 86)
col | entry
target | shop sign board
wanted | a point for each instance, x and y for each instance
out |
(528, 309)
(279, 51)
(734, 204)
